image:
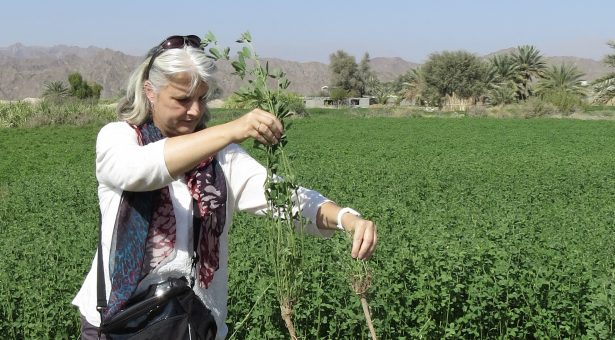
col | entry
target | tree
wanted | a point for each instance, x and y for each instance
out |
(502, 94)
(81, 89)
(78, 88)
(55, 89)
(454, 73)
(381, 91)
(96, 90)
(502, 80)
(504, 68)
(338, 95)
(344, 72)
(565, 78)
(412, 86)
(365, 76)
(530, 65)
(604, 87)
(562, 87)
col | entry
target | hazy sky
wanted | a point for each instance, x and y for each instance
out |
(312, 30)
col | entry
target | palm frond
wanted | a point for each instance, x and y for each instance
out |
(566, 78)
(56, 89)
(604, 89)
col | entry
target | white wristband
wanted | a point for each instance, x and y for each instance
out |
(341, 213)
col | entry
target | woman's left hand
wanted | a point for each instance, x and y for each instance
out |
(364, 237)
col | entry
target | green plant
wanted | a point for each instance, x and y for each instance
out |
(489, 228)
(360, 277)
(280, 187)
(82, 89)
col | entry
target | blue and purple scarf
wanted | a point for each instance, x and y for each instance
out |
(145, 230)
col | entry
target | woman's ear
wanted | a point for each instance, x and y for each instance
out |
(149, 91)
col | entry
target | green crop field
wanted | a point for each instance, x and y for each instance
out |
(489, 228)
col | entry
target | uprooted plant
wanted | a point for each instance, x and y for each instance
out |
(361, 280)
(360, 276)
(285, 246)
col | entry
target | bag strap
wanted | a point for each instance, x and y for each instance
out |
(196, 232)
(100, 274)
(100, 278)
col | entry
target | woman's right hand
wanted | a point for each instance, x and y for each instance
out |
(258, 124)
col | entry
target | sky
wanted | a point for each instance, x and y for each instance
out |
(312, 30)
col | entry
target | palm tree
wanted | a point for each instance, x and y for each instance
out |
(565, 78)
(55, 89)
(504, 68)
(503, 79)
(414, 85)
(382, 92)
(604, 87)
(530, 65)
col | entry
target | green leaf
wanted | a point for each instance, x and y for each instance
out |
(215, 53)
(277, 73)
(284, 84)
(246, 52)
(209, 38)
(240, 68)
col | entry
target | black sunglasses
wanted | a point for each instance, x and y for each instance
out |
(174, 41)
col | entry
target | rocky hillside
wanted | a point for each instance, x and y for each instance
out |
(24, 70)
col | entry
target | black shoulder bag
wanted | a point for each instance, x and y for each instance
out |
(166, 310)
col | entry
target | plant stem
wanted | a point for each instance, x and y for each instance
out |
(250, 312)
(361, 280)
(284, 254)
(368, 317)
(286, 310)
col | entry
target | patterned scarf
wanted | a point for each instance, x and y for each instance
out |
(145, 230)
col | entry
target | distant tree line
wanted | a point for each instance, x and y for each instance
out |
(498, 80)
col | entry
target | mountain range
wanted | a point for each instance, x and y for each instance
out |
(25, 69)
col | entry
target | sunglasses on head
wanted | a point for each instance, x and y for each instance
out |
(174, 41)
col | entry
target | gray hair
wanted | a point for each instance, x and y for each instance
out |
(136, 109)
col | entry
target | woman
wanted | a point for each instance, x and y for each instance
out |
(160, 151)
